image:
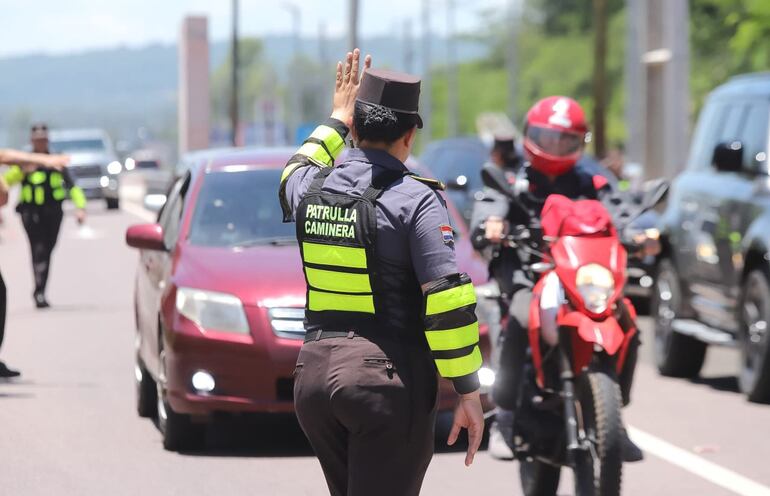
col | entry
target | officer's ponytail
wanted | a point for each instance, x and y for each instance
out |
(380, 124)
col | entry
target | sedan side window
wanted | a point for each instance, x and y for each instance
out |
(171, 215)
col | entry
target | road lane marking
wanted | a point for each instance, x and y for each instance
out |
(138, 211)
(697, 465)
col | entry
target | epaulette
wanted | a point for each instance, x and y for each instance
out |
(431, 183)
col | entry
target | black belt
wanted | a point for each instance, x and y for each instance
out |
(318, 335)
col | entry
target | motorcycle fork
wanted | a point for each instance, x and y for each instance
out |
(567, 377)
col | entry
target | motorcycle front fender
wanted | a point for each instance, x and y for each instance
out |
(606, 333)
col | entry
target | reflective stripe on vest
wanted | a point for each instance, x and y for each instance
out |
(341, 282)
(319, 301)
(26, 194)
(37, 177)
(342, 256)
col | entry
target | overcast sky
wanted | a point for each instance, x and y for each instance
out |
(62, 26)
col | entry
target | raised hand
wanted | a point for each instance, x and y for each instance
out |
(346, 87)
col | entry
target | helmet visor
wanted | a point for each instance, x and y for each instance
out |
(555, 142)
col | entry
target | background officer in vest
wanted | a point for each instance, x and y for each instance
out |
(385, 304)
(43, 189)
(26, 160)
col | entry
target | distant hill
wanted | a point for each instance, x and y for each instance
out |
(124, 89)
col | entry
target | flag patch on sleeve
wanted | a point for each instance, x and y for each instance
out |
(447, 234)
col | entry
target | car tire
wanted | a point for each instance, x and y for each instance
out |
(676, 355)
(754, 338)
(177, 429)
(112, 203)
(146, 394)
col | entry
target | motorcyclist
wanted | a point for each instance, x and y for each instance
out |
(554, 138)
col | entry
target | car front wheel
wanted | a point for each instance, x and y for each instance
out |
(754, 341)
(676, 355)
(178, 431)
(146, 396)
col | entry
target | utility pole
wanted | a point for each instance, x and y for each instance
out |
(511, 57)
(600, 78)
(294, 112)
(352, 24)
(657, 73)
(425, 88)
(452, 90)
(408, 45)
(234, 75)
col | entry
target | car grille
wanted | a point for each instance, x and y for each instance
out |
(288, 322)
(85, 171)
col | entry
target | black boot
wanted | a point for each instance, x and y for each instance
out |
(40, 301)
(631, 452)
(6, 373)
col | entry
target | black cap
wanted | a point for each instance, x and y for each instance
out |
(397, 91)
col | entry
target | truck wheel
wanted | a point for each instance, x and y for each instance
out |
(676, 355)
(754, 379)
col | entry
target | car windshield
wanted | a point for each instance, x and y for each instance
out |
(239, 209)
(81, 145)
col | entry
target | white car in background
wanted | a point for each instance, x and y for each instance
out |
(94, 165)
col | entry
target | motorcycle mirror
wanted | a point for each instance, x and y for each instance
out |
(459, 183)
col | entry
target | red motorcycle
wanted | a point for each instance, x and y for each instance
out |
(570, 401)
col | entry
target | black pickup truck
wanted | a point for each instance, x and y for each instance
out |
(713, 278)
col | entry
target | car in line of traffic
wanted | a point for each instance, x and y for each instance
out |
(94, 164)
(219, 296)
(713, 277)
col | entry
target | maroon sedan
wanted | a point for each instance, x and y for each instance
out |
(220, 294)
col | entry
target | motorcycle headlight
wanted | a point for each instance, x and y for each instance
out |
(212, 310)
(596, 286)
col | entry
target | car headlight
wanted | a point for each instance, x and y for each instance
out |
(596, 286)
(114, 167)
(212, 310)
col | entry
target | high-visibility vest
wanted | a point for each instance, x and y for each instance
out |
(345, 287)
(43, 187)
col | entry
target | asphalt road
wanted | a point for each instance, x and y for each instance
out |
(70, 428)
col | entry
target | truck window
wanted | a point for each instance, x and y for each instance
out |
(706, 135)
(755, 136)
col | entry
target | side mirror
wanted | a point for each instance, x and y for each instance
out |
(459, 183)
(154, 202)
(145, 237)
(728, 156)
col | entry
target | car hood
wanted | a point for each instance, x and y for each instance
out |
(89, 158)
(257, 274)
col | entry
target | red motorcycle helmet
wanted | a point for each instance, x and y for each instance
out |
(554, 134)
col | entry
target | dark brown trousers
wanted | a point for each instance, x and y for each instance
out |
(369, 411)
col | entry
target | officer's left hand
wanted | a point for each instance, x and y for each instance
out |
(468, 415)
(346, 88)
(80, 215)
